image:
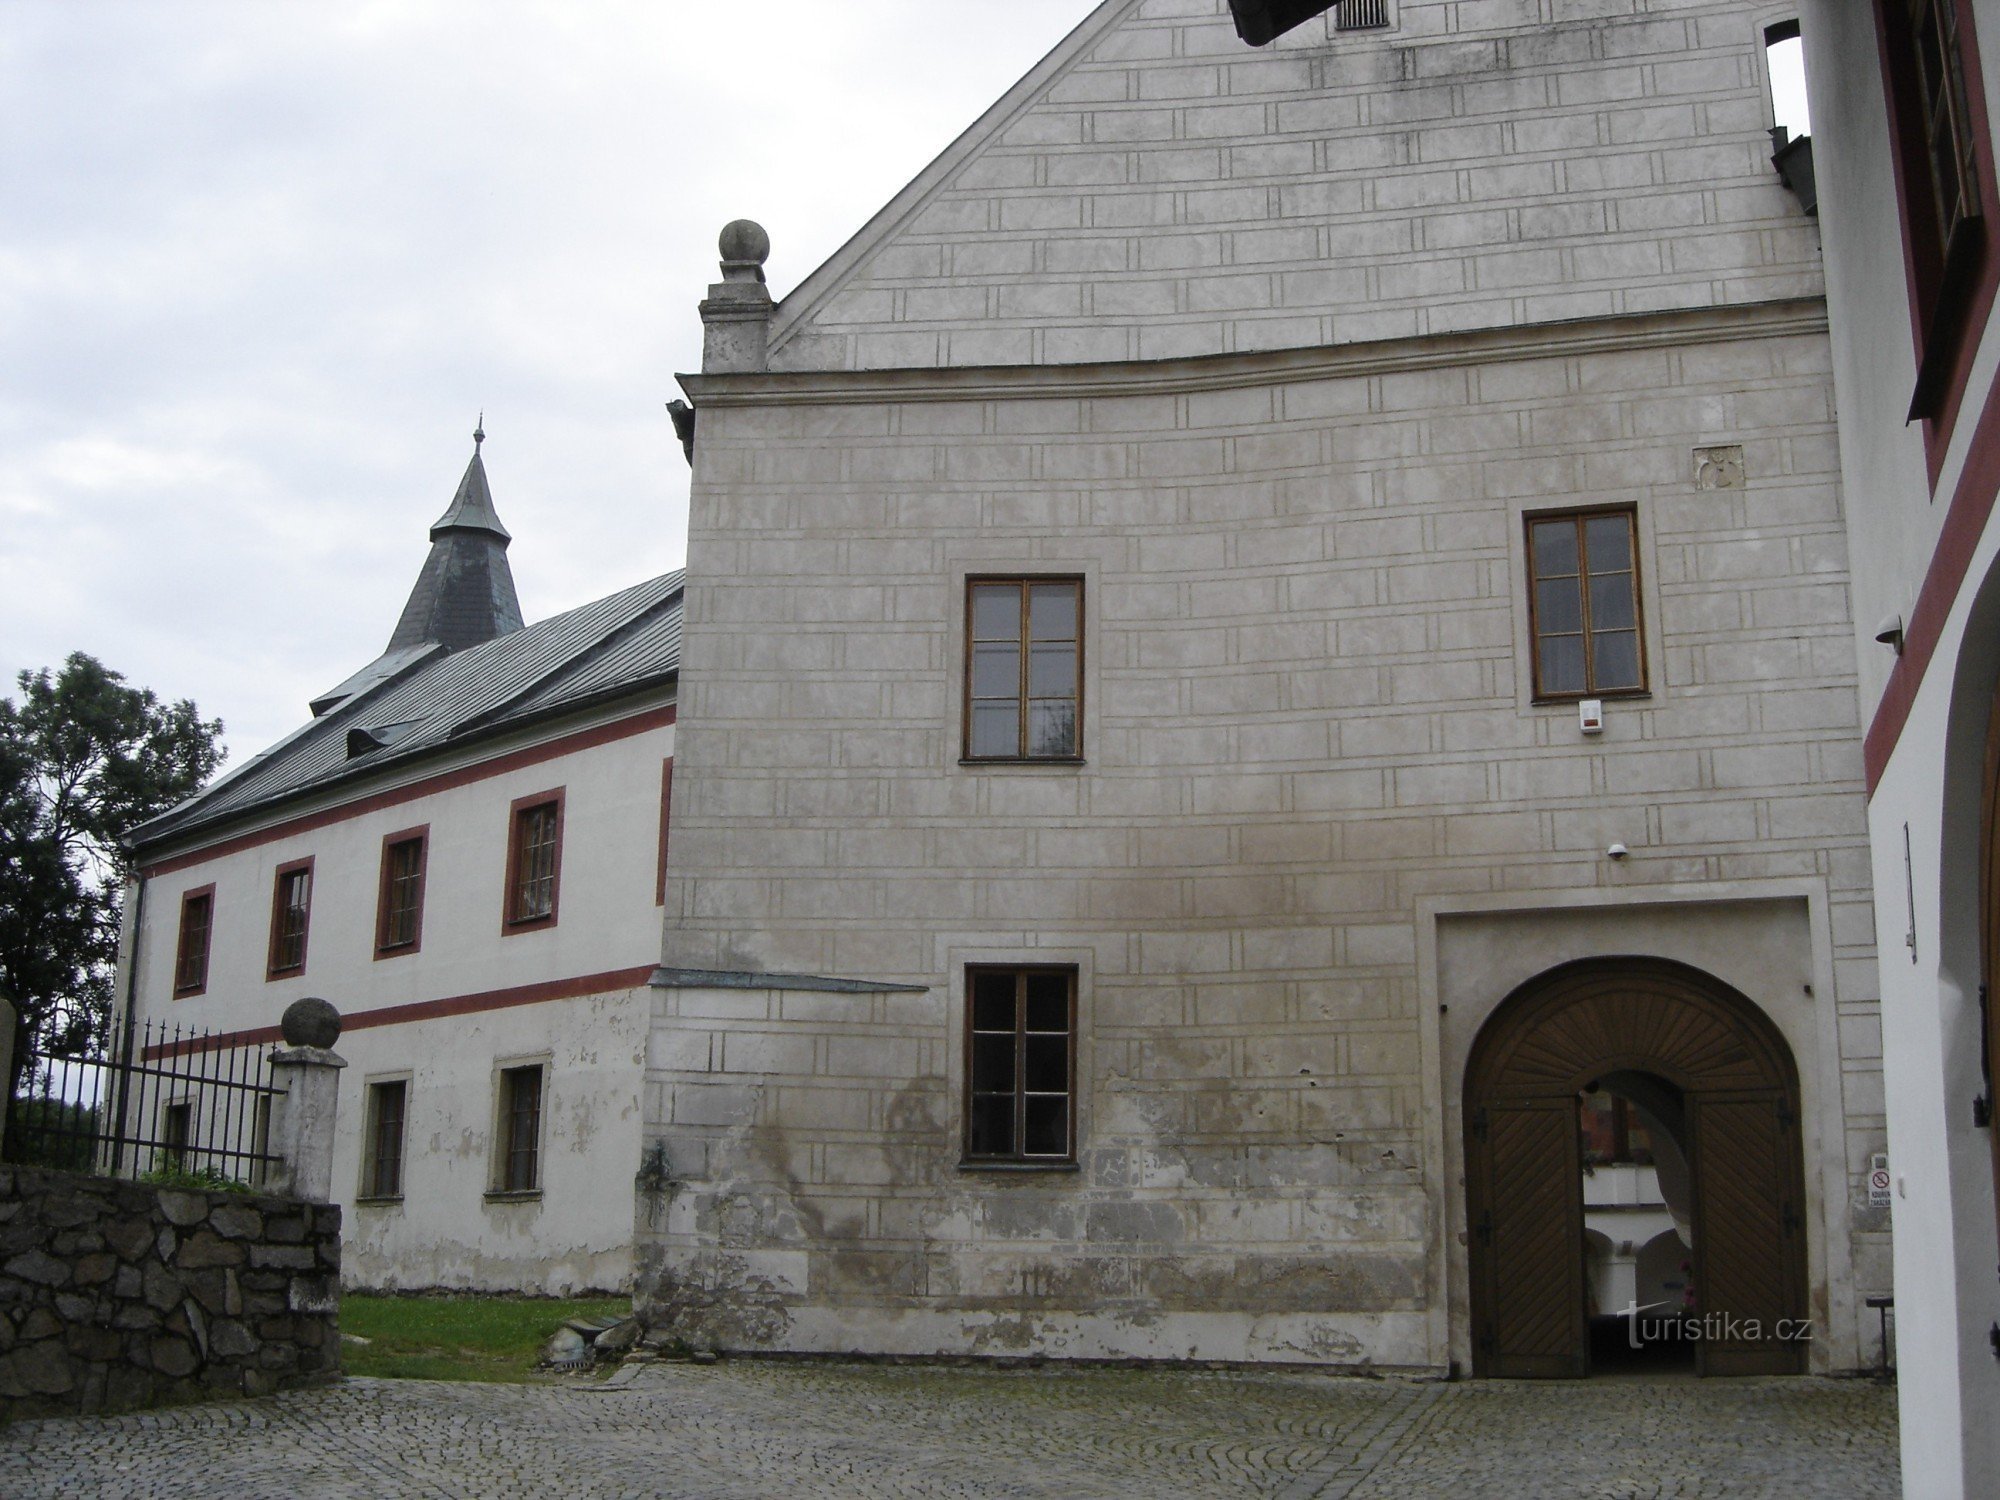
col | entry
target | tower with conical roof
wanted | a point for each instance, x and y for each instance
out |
(465, 593)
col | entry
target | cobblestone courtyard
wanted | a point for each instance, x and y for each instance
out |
(754, 1429)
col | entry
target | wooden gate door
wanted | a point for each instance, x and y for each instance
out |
(1526, 1201)
(1749, 1206)
(1524, 1188)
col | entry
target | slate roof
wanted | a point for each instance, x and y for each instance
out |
(465, 593)
(420, 701)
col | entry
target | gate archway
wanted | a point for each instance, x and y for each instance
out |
(1740, 1096)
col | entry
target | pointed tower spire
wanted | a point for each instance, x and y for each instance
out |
(465, 593)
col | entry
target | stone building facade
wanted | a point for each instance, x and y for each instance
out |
(1145, 1022)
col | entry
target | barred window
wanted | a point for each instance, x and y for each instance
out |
(291, 911)
(383, 1165)
(191, 954)
(534, 860)
(399, 909)
(520, 1168)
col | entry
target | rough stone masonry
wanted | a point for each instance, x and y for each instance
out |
(119, 1295)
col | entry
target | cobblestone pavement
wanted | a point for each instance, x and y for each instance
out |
(757, 1429)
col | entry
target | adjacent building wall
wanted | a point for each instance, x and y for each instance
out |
(1927, 552)
(471, 999)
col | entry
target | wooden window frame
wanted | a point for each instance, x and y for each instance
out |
(1025, 581)
(185, 988)
(1018, 1159)
(1951, 269)
(666, 814)
(272, 968)
(1581, 517)
(512, 919)
(373, 1189)
(391, 842)
(507, 1130)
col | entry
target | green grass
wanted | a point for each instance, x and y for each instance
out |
(458, 1338)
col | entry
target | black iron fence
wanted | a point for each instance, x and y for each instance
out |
(167, 1105)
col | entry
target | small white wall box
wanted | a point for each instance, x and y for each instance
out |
(1590, 715)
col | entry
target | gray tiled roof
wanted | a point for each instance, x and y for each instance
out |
(465, 593)
(411, 704)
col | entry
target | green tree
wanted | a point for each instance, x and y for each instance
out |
(83, 759)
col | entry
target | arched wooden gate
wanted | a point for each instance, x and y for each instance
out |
(1524, 1188)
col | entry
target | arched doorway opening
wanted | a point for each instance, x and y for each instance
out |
(1711, 1077)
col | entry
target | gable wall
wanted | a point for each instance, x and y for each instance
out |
(1172, 192)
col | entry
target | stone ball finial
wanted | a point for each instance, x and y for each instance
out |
(744, 242)
(745, 247)
(311, 1022)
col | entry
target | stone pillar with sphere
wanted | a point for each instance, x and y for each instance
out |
(736, 316)
(307, 1072)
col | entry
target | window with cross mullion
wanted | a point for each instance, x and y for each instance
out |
(1021, 1039)
(1584, 605)
(1024, 669)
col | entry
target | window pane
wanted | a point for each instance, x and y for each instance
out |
(1048, 1002)
(993, 1062)
(996, 729)
(1562, 664)
(1047, 1064)
(992, 1125)
(1611, 602)
(1559, 606)
(1609, 542)
(1555, 547)
(996, 612)
(1052, 611)
(1051, 670)
(993, 1002)
(1617, 658)
(1052, 727)
(996, 670)
(1047, 1126)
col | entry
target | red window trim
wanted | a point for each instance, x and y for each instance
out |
(1967, 304)
(509, 922)
(186, 992)
(666, 811)
(383, 948)
(290, 867)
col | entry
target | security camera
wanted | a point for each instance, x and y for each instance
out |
(1616, 851)
(1890, 633)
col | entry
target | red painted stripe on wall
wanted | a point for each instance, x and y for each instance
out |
(444, 781)
(1964, 523)
(427, 1010)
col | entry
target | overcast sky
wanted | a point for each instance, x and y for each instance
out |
(263, 262)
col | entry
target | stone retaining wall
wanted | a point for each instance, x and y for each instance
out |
(117, 1295)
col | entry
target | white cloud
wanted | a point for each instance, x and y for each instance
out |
(264, 263)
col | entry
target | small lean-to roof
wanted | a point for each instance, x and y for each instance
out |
(623, 644)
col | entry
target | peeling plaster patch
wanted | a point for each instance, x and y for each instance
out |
(1321, 1343)
(713, 1301)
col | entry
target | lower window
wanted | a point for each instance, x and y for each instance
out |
(1020, 1099)
(383, 1168)
(520, 1165)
